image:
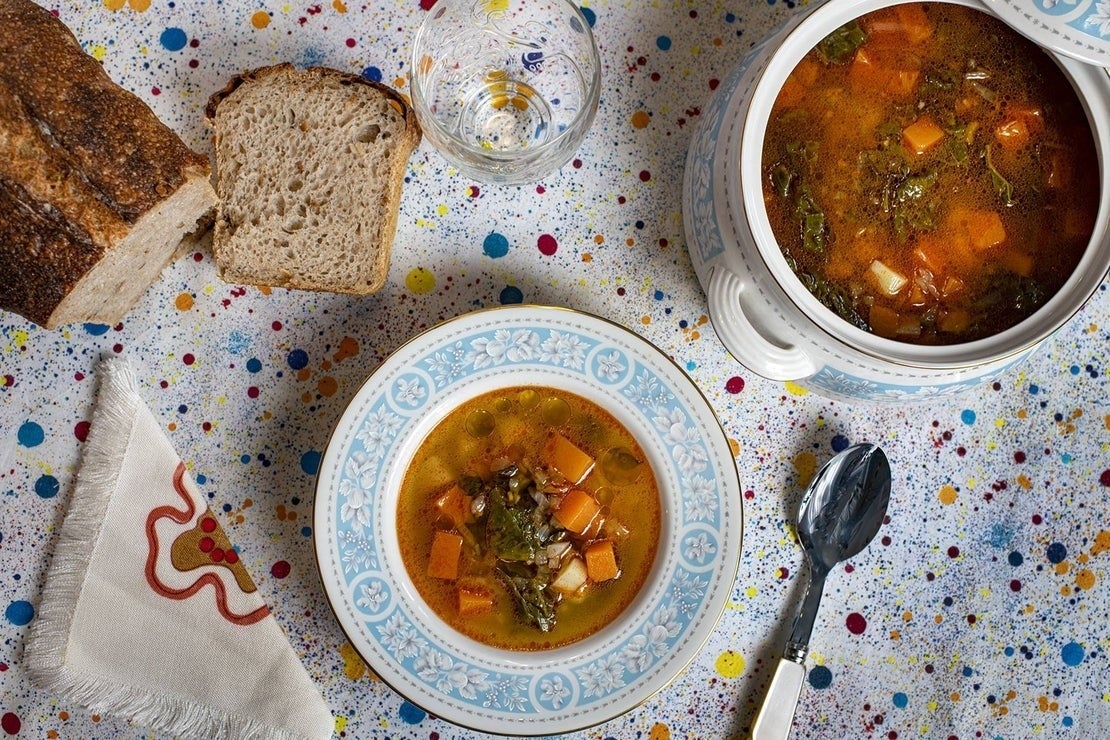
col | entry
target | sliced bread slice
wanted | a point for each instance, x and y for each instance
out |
(309, 170)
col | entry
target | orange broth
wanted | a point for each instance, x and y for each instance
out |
(516, 426)
(930, 174)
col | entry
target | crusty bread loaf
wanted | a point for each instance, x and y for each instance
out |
(309, 170)
(96, 193)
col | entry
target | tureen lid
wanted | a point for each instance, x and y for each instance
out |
(1076, 28)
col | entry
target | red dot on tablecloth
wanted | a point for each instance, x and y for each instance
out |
(276, 326)
(953, 552)
(1104, 479)
(11, 723)
(206, 544)
(644, 175)
(735, 384)
(188, 358)
(855, 623)
(547, 244)
(81, 430)
(350, 43)
(427, 4)
(252, 392)
(280, 569)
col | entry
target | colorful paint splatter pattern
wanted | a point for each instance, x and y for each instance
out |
(981, 610)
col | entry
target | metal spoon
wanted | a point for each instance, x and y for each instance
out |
(841, 511)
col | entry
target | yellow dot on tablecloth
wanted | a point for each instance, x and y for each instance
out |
(1102, 543)
(640, 119)
(442, 209)
(1085, 579)
(734, 446)
(114, 4)
(947, 495)
(183, 302)
(659, 731)
(805, 463)
(794, 389)
(260, 19)
(139, 6)
(340, 723)
(98, 52)
(730, 664)
(340, 7)
(420, 280)
(353, 666)
(751, 592)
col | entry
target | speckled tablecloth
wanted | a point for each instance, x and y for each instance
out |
(983, 608)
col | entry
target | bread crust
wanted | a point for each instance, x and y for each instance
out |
(81, 162)
(387, 207)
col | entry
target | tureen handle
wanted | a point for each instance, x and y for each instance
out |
(769, 356)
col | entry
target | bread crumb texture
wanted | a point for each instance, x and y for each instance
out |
(310, 166)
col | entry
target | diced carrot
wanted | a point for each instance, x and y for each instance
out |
(794, 90)
(1013, 133)
(931, 253)
(566, 457)
(888, 71)
(454, 505)
(601, 561)
(977, 229)
(915, 23)
(1017, 262)
(884, 321)
(474, 600)
(955, 320)
(577, 511)
(922, 135)
(899, 24)
(443, 560)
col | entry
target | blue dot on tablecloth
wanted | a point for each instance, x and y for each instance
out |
(412, 714)
(30, 434)
(901, 701)
(511, 295)
(495, 245)
(20, 612)
(310, 462)
(297, 359)
(1056, 553)
(590, 16)
(47, 486)
(664, 43)
(820, 677)
(1072, 653)
(967, 416)
(254, 365)
(174, 39)
(373, 74)
(840, 443)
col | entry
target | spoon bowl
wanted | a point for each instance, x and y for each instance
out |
(841, 511)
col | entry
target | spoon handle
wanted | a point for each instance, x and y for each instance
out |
(797, 645)
(777, 713)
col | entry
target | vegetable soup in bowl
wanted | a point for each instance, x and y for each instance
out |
(528, 520)
(890, 201)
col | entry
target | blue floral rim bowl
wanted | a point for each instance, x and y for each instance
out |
(541, 692)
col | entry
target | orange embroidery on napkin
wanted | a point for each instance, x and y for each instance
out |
(181, 517)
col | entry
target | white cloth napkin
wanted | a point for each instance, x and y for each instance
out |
(147, 612)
